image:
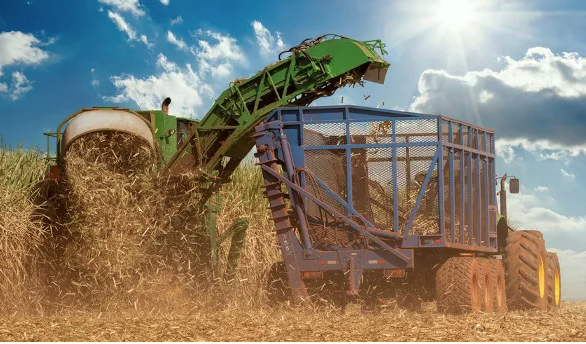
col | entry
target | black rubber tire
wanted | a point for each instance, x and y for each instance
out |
(458, 286)
(526, 271)
(498, 285)
(278, 289)
(486, 285)
(554, 287)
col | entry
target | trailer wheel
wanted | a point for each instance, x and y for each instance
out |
(278, 288)
(554, 286)
(526, 270)
(498, 285)
(458, 286)
(486, 284)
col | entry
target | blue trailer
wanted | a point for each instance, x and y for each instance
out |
(380, 204)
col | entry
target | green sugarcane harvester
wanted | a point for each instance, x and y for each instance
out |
(215, 145)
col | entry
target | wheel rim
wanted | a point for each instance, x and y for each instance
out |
(541, 278)
(557, 287)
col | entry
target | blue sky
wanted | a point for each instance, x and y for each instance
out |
(515, 66)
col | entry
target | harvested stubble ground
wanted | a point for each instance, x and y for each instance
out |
(288, 324)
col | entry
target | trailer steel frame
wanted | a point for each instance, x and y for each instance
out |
(461, 169)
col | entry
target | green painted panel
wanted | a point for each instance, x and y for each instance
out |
(165, 134)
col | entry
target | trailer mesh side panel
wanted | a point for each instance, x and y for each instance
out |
(375, 132)
(420, 130)
(324, 134)
(329, 167)
(446, 131)
(372, 190)
(413, 164)
(368, 183)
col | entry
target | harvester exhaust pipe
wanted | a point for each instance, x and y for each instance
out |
(165, 105)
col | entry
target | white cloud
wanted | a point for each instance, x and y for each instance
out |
(226, 48)
(146, 42)
(95, 82)
(568, 174)
(505, 151)
(132, 6)
(530, 211)
(20, 85)
(183, 85)
(541, 69)
(217, 59)
(542, 149)
(20, 48)
(268, 44)
(122, 25)
(536, 101)
(165, 2)
(485, 96)
(178, 42)
(541, 188)
(221, 70)
(188, 90)
(177, 20)
(572, 273)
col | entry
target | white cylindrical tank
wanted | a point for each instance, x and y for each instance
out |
(94, 120)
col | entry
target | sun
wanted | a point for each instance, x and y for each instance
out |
(456, 15)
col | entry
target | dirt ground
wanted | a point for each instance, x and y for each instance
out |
(288, 324)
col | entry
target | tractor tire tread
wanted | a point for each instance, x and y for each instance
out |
(552, 266)
(455, 290)
(498, 275)
(522, 270)
(486, 285)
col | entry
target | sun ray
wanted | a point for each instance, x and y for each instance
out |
(406, 34)
(463, 30)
